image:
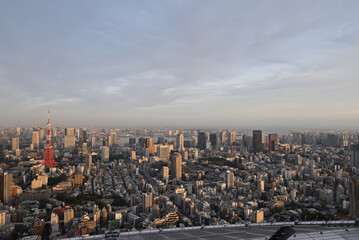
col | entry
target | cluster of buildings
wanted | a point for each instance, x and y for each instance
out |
(125, 179)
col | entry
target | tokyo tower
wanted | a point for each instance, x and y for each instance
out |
(49, 157)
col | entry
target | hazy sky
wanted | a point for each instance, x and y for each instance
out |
(239, 64)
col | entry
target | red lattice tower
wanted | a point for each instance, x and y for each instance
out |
(49, 156)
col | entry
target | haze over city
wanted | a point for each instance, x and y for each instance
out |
(250, 64)
(191, 119)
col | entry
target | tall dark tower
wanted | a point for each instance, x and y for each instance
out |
(83, 136)
(49, 156)
(272, 142)
(202, 140)
(257, 141)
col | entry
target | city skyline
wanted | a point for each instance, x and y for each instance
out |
(193, 64)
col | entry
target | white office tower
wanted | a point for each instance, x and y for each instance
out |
(180, 142)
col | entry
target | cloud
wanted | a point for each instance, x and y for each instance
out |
(257, 62)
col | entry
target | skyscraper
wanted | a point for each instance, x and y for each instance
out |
(112, 139)
(354, 155)
(257, 141)
(5, 187)
(165, 173)
(230, 179)
(88, 162)
(202, 140)
(93, 141)
(35, 139)
(223, 137)
(69, 139)
(176, 165)
(70, 132)
(15, 144)
(83, 136)
(147, 201)
(150, 146)
(179, 141)
(163, 153)
(332, 140)
(232, 137)
(272, 142)
(213, 138)
(354, 198)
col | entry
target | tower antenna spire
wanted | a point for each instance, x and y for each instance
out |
(49, 159)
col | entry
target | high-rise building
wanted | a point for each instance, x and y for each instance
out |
(150, 146)
(88, 163)
(260, 186)
(15, 144)
(83, 136)
(2, 218)
(93, 141)
(176, 165)
(142, 141)
(232, 137)
(180, 142)
(354, 198)
(18, 131)
(5, 187)
(223, 137)
(147, 201)
(78, 179)
(333, 140)
(257, 141)
(202, 140)
(272, 142)
(165, 173)
(298, 160)
(35, 139)
(132, 141)
(70, 132)
(68, 217)
(354, 155)
(54, 132)
(163, 152)
(69, 138)
(112, 139)
(105, 153)
(42, 133)
(213, 137)
(54, 222)
(161, 140)
(84, 149)
(69, 141)
(230, 179)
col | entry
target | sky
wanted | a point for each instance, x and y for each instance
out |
(187, 64)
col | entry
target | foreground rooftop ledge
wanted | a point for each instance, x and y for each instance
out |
(307, 224)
